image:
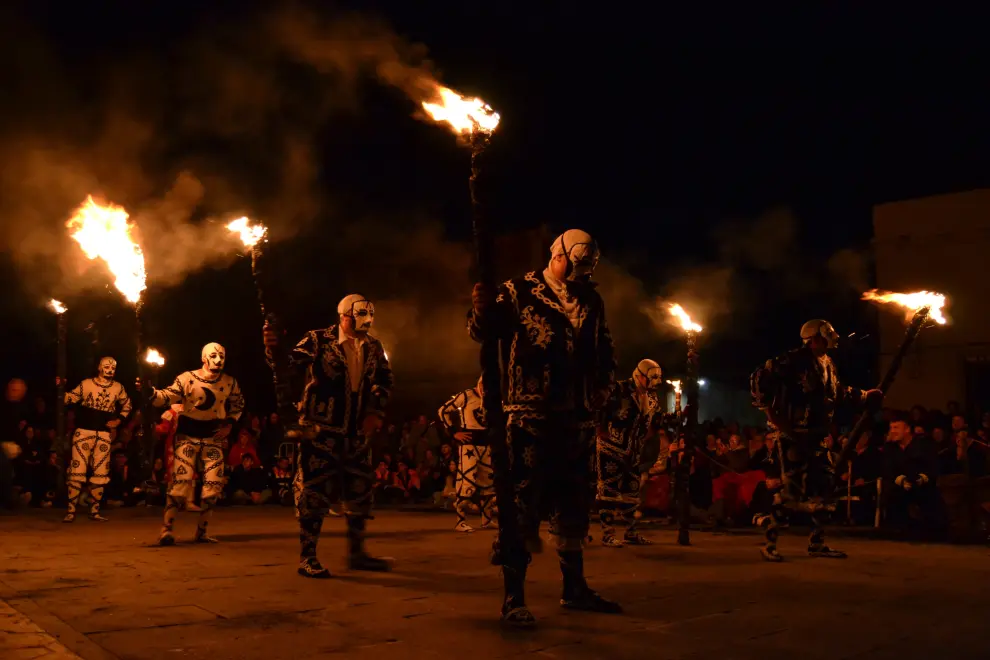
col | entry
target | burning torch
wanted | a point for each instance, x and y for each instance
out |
(921, 307)
(474, 120)
(61, 366)
(104, 232)
(683, 474)
(676, 384)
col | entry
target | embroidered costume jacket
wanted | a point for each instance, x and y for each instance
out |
(98, 404)
(550, 367)
(803, 389)
(327, 400)
(627, 427)
(464, 413)
(206, 404)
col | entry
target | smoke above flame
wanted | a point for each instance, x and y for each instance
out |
(465, 116)
(912, 302)
(103, 232)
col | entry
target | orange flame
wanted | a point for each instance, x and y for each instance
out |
(683, 319)
(912, 302)
(465, 116)
(56, 306)
(103, 232)
(676, 384)
(249, 234)
(154, 357)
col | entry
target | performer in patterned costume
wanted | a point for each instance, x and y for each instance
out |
(799, 392)
(211, 402)
(558, 371)
(632, 416)
(102, 403)
(464, 418)
(347, 384)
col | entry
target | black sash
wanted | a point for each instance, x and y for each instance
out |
(92, 419)
(198, 428)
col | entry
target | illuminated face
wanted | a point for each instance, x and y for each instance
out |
(107, 368)
(363, 313)
(214, 356)
(649, 375)
(584, 259)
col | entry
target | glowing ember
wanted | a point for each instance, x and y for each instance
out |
(912, 302)
(683, 319)
(154, 357)
(249, 234)
(103, 232)
(56, 306)
(676, 384)
(465, 116)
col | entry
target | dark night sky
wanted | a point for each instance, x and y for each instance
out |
(667, 135)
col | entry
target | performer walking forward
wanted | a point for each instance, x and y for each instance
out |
(211, 402)
(631, 417)
(464, 417)
(348, 382)
(559, 369)
(799, 392)
(102, 404)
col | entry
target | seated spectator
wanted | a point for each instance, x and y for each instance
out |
(909, 492)
(430, 474)
(156, 485)
(281, 484)
(405, 483)
(248, 484)
(121, 491)
(383, 477)
(244, 445)
(865, 467)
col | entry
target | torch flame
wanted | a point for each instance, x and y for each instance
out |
(154, 357)
(56, 306)
(249, 234)
(912, 302)
(676, 384)
(103, 232)
(683, 319)
(465, 116)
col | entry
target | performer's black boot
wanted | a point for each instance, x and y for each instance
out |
(309, 536)
(817, 547)
(771, 532)
(357, 558)
(577, 594)
(514, 610)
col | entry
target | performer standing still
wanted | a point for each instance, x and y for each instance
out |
(348, 382)
(799, 392)
(464, 418)
(630, 422)
(558, 370)
(211, 402)
(102, 403)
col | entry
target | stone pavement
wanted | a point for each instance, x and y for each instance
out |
(106, 591)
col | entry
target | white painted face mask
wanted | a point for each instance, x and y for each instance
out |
(214, 357)
(107, 368)
(650, 371)
(581, 252)
(360, 309)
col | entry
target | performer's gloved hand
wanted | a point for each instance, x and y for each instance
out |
(482, 299)
(874, 398)
(903, 482)
(922, 479)
(462, 436)
(113, 423)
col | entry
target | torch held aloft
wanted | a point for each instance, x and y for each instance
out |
(683, 473)
(61, 367)
(917, 323)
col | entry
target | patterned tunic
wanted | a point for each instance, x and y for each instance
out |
(464, 413)
(628, 426)
(549, 366)
(98, 404)
(803, 389)
(205, 403)
(327, 400)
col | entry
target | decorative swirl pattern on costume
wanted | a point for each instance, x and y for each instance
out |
(537, 328)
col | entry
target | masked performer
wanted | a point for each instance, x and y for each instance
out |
(464, 418)
(632, 416)
(558, 371)
(799, 392)
(347, 384)
(102, 403)
(211, 402)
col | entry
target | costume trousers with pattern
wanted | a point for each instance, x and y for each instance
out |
(618, 489)
(807, 479)
(331, 469)
(90, 452)
(551, 465)
(192, 457)
(475, 481)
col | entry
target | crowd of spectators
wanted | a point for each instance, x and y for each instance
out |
(919, 470)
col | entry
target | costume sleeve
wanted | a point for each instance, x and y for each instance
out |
(169, 396)
(235, 401)
(605, 368)
(74, 395)
(382, 383)
(123, 403)
(448, 414)
(850, 396)
(766, 386)
(497, 323)
(302, 355)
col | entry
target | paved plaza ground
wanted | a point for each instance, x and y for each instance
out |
(106, 591)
